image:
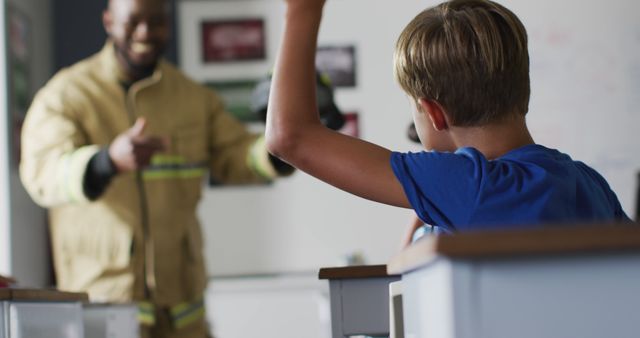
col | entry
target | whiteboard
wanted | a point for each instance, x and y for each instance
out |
(585, 75)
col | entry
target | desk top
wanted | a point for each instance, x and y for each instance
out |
(505, 243)
(349, 272)
(11, 294)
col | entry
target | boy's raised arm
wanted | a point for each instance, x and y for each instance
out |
(294, 132)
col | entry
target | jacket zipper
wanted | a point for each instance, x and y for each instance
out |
(148, 249)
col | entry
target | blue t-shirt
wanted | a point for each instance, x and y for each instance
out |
(528, 186)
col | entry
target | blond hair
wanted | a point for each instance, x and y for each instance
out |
(470, 56)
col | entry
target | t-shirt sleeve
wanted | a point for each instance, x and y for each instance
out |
(614, 203)
(441, 187)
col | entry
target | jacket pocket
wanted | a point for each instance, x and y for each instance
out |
(107, 245)
(94, 256)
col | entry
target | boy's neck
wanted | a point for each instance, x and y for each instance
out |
(494, 140)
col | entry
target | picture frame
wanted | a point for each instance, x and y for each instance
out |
(233, 40)
(255, 64)
(339, 63)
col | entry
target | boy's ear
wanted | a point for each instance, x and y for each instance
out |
(435, 112)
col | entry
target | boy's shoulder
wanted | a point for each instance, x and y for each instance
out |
(528, 153)
(468, 164)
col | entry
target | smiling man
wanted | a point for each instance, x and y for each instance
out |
(117, 147)
(139, 31)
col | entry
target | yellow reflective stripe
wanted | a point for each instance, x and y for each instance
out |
(189, 318)
(167, 159)
(325, 79)
(184, 314)
(172, 166)
(173, 173)
(176, 310)
(146, 313)
(258, 160)
(146, 318)
(73, 170)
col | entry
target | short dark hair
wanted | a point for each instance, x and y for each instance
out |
(471, 57)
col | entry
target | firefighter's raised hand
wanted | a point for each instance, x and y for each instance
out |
(132, 150)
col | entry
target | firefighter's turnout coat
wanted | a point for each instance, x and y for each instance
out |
(141, 239)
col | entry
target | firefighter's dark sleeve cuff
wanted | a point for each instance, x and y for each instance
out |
(283, 168)
(100, 171)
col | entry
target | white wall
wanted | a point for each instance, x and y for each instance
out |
(585, 80)
(29, 260)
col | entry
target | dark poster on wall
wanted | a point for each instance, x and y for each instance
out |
(339, 63)
(19, 74)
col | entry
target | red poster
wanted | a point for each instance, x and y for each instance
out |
(233, 40)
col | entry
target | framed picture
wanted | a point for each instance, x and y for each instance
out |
(228, 40)
(237, 97)
(232, 40)
(339, 63)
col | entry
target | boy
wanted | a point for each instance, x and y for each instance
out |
(465, 66)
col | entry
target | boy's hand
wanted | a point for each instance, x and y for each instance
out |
(298, 9)
(132, 150)
(318, 4)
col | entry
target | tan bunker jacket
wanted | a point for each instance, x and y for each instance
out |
(142, 233)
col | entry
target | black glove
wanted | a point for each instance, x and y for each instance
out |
(330, 115)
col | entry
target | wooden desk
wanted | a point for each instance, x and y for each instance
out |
(553, 283)
(43, 313)
(41, 295)
(359, 299)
